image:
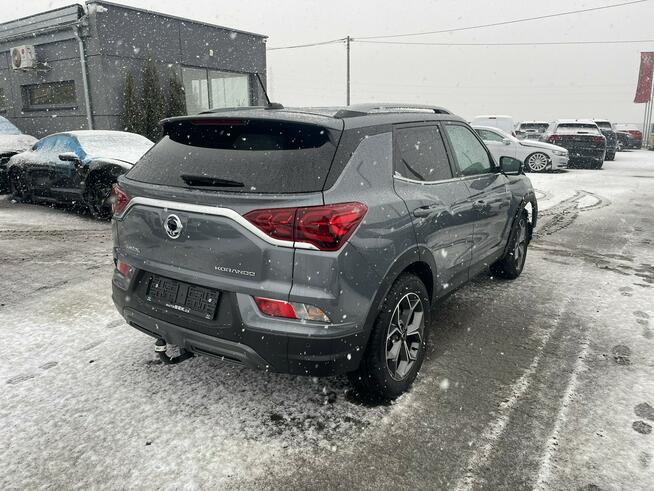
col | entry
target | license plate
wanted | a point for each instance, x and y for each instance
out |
(180, 296)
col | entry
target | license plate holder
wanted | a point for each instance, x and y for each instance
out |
(182, 297)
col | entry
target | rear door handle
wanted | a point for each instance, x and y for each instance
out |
(425, 211)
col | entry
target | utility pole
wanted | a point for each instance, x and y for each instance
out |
(347, 44)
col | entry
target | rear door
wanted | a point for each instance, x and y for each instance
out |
(490, 197)
(438, 202)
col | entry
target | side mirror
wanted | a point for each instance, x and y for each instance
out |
(506, 141)
(70, 157)
(511, 166)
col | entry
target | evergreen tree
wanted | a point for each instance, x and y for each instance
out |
(154, 104)
(176, 97)
(131, 118)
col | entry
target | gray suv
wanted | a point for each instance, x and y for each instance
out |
(313, 241)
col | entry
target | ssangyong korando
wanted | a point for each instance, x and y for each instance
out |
(313, 241)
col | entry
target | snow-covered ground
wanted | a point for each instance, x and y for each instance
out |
(545, 382)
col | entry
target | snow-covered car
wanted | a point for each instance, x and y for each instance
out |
(12, 141)
(531, 130)
(502, 122)
(75, 167)
(538, 156)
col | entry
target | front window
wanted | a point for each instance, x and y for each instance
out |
(488, 135)
(471, 156)
(208, 89)
(49, 95)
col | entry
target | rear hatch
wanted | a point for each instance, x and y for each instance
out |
(202, 178)
(579, 138)
(609, 133)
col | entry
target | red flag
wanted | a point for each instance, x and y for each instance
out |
(644, 90)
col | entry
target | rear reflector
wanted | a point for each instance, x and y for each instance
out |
(290, 310)
(119, 200)
(275, 308)
(326, 227)
(124, 269)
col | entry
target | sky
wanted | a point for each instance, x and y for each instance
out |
(528, 82)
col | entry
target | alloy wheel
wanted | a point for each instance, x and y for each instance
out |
(537, 162)
(404, 336)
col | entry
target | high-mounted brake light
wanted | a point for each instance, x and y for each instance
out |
(119, 200)
(326, 227)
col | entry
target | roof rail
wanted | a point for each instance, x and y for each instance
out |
(394, 107)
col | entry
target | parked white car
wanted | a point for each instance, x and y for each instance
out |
(538, 156)
(504, 123)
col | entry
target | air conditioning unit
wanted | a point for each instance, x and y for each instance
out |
(23, 57)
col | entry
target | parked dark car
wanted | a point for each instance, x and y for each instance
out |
(609, 133)
(626, 141)
(75, 167)
(12, 141)
(634, 131)
(583, 139)
(313, 241)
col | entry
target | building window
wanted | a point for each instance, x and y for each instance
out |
(50, 95)
(207, 89)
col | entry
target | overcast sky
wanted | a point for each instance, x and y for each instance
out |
(528, 82)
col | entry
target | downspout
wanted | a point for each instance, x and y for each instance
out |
(85, 79)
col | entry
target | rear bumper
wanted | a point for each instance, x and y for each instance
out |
(300, 350)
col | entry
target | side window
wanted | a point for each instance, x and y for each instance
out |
(488, 135)
(421, 154)
(44, 145)
(471, 156)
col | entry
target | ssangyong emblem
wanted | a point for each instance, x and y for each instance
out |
(173, 226)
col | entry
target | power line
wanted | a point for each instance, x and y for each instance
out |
(308, 45)
(506, 22)
(466, 28)
(538, 43)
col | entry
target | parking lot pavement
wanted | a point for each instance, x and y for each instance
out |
(545, 382)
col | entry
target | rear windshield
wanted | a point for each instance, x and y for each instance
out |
(605, 125)
(534, 126)
(260, 156)
(577, 129)
(6, 128)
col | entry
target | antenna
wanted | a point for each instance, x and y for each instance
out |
(269, 105)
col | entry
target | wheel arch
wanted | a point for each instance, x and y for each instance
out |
(104, 167)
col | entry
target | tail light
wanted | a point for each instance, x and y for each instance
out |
(326, 227)
(119, 200)
(123, 275)
(554, 138)
(599, 139)
(290, 310)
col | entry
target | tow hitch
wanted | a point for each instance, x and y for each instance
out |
(160, 347)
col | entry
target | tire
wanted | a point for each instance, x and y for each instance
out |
(537, 162)
(97, 195)
(397, 332)
(619, 147)
(18, 186)
(610, 156)
(513, 262)
(597, 165)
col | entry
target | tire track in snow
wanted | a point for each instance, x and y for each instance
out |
(545, 469)
(494, 431)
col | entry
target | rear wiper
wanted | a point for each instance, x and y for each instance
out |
(210, 181)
